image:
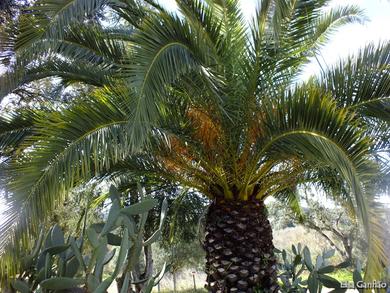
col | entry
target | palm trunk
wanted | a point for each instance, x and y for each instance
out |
(239, 248)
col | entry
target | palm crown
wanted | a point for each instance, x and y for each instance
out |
(204, 99)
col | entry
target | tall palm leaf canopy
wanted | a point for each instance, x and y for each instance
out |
(202, 98)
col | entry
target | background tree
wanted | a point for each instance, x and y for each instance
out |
(181, 228)
(331, 222)
(9, 9)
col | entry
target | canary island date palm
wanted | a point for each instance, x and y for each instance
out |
(204, 99)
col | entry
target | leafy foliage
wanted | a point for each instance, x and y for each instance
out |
(204, 100)
(300, 261)
(332, 223)
(55, 264)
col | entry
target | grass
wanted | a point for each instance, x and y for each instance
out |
(342, 275)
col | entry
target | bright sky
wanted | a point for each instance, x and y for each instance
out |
(349, 38)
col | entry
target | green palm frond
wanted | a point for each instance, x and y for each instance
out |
(290, 197)
(377, 257)
(314, 128)
(134, 12)
(165, 49)
(14, 128)
(335, 18)
(72, 58)
(283, 35)
(43, 175)
(232, 35)
(48, 19)
(362, 82)
(89, 42)
(298, 29)
(202, 16)
(69, 72)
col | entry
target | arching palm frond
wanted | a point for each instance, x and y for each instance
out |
(166, 50)
(362, 82)
(284, 34)
(290, 198)
(79, 138)
(49, 19)
(14, 128)
(69, 72)
(335, 18)
(72, 58)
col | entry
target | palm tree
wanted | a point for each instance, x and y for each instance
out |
(203, 99)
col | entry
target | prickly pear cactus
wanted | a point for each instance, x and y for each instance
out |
(56, 265)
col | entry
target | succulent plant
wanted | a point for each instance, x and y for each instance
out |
(55, 264)
(293, 266)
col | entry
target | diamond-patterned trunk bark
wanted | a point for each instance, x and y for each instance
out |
(239, 248)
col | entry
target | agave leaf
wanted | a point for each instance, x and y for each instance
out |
(357, 277)
(48, 265)
(149, 286)
(56, 249)
(98, 227)
(297, 259)
(40, 276)
(312, 283)
(77, 253)
(109, 256)
(130, 224)
(61, 283)
(344, 264)
(326, 269)
(102, 288)
(113, 215)
(294, 249)
(39, 242)
(307, 258)
(41, 261)
(126, 282)
(100, 254)
(57, 236)
(48, 242)
(155, 237)
(93, 237)
(71, 268)
(21, 286)
(114, 194)
(277, 250)
(140, 208)
(124, 248)
(319, 262)
(329, 253)
(161, 274)
(92, 282)
(329, 282)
